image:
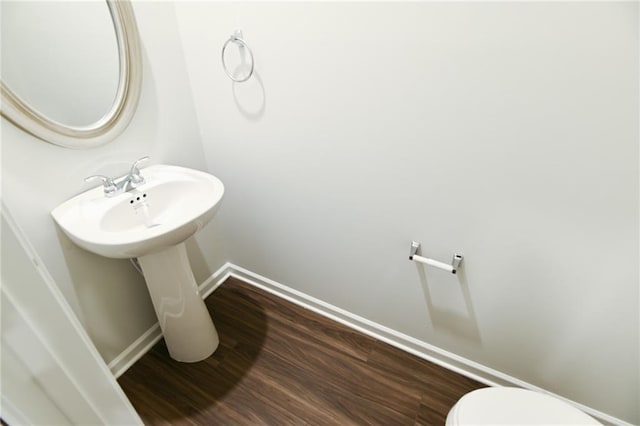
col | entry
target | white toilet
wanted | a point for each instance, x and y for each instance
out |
(514, 406)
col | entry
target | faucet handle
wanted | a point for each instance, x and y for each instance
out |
(136, 177)
(109, 185)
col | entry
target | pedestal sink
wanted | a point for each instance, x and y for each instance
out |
(151, 222)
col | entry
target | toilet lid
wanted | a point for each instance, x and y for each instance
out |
(514, 406)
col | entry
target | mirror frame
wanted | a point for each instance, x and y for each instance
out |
(120, 113)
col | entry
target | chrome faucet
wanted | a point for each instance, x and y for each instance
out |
(128, 183)
(133, 179)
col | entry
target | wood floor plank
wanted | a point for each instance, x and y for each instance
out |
(429, 416)
(297, 319)
(419, 372)
(280, 364)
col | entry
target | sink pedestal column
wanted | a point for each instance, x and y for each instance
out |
(184, 319)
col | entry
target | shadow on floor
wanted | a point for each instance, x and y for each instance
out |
(162, 389)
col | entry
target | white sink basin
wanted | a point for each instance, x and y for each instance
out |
(151, 223)
(172, 205)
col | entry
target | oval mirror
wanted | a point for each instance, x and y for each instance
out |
(71, 71)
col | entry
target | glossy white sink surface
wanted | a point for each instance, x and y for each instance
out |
(172, 204)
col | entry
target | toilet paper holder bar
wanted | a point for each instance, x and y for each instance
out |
(453, 267)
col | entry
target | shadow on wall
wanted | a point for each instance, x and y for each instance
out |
(249, 96)
(112, 295)
(444, 318)
(197, 260)
(206, 250)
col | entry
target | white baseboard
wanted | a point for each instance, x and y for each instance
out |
(402, 341)
(135, 351)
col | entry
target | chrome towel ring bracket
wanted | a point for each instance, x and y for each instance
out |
(236, 37)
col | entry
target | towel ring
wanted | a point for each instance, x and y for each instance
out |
(237, 38)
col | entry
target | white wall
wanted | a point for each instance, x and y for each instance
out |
(507, 132)
(109, 296)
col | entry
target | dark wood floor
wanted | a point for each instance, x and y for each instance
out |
(279, 364)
